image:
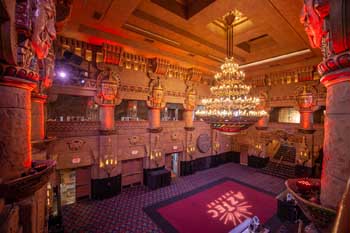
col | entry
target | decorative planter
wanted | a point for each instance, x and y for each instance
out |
(321, 216)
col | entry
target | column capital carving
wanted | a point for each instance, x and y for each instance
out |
(190, 97)
(107, 87)
(33, 21)
(306, 99)
(327, 23)
(155, 98)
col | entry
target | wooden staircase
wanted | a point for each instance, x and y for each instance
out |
(282, 164)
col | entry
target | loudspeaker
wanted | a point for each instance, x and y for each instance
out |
(72, 58)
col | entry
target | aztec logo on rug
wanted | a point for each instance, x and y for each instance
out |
(229, 207)
(216, 207)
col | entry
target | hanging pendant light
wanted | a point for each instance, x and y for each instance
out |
(230, 108)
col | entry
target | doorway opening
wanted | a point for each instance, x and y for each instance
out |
(172, 163)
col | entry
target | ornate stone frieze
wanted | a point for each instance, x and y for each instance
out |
(159, 66)
(176, 71)
(136, 140)
(70, 129)
(134, 62)
(194, 75)
(125, 125)
(75, 144)
(112, 54)
(299, 74)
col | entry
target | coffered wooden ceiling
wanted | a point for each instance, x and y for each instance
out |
(190, 32)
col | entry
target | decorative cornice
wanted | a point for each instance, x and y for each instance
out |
(284, 77)
(107, 132)
(117, 56)
(155, 130)
(334, 63)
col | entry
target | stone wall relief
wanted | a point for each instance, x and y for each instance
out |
(136, 140)
(72, 153)
(203, 143)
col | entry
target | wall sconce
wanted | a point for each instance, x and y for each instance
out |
(216, 147)
(190, 150)
(108, 163)
(258, 146)
(304, 155)
(156, 154)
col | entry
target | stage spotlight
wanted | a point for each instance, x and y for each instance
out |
(62, 74)
(82, 81)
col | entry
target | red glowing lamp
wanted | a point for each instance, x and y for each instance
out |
(304, 185)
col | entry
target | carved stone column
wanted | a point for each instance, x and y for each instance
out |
(106, 116)
(38, 116)
(328, 26)
(155, 102)
(306, 100)
(107, 98)
(27, 29)
(15, 115)
(336, 161)
(189, 106)
(106, 172)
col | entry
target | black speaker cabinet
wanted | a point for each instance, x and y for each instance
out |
(106, 187)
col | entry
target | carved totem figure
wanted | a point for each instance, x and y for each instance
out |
(313, 17)
(190, 97)
(155, 97)
(108, 83)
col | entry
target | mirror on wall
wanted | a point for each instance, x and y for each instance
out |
(72, 108)
(172, 112)
(131, 110)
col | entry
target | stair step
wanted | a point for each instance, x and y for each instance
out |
(280, 170)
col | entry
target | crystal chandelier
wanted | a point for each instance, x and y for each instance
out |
(230, 108)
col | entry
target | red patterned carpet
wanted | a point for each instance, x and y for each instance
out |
(216, 207)
(126, 212)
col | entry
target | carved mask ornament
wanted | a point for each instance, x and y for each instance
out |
(156, 97)
(108, 84)
(312, 16)
(44, 31)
